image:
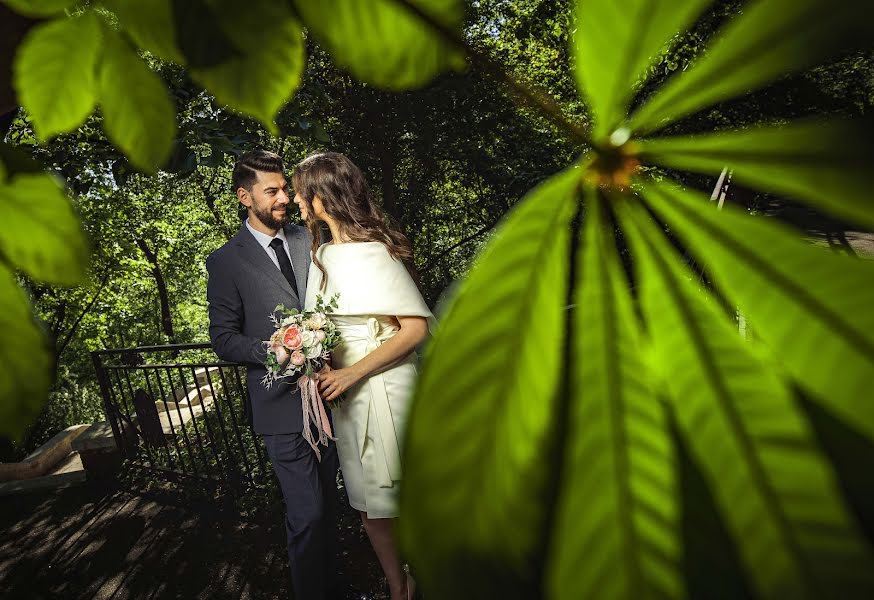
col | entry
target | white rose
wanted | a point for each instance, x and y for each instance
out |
(314, 351)
(309, 339)
(317, 321)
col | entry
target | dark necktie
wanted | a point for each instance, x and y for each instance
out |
(284, 263)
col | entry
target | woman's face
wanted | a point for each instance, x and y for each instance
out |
(318, 207)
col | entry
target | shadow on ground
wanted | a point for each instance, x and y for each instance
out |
(116, 543)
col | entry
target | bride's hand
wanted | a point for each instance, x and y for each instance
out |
(334, 382)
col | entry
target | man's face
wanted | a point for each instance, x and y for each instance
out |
(269, 199)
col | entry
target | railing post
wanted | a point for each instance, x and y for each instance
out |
(111, 411)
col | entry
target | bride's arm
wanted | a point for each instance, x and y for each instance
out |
(412, 332)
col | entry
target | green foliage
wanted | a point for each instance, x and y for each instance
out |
(620, 468)
(825, 164)
(773, 38)
(44, 238)
(746, 431)
(610, 469)
(138, 115)
(500, 431)
(55, 73)
(635, 32)
(807, 303)
(38, 8)
(25, 360)
(384, 42)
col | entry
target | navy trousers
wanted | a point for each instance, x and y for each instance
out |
(309, 489)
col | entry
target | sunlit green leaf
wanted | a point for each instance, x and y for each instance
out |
(826, 164)
(39, 8)
(269, 69)
(151, 26)
(384, 42)
(615, 42)
(810, 305)
(138, 114)
(55, 73)
(25, 362)
(775, 490)
(618, 493)
(472, 503)
(41, 234)
(768, 39)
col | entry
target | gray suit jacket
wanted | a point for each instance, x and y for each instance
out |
(243, 290)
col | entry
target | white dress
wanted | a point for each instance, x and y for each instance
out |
(369, 424)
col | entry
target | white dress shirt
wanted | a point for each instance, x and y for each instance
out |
(265, 240)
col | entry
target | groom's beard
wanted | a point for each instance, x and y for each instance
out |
(266, 217)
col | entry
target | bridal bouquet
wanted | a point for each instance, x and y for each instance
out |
(299, 347)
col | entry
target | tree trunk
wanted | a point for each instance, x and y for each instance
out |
(166, 321)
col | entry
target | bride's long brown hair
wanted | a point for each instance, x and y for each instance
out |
(346, 198)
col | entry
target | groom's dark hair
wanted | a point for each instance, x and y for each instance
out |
(245, 170)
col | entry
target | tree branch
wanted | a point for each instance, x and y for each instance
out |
(536, 97)
(70, 334)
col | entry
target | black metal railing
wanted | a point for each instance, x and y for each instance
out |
(180, 412)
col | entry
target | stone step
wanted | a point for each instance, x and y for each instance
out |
(44, 458)
(68, 471)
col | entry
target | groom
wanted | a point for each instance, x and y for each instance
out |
(265, 265)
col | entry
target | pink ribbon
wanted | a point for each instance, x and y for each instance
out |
(314, 412)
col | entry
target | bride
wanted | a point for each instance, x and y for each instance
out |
(382, 319)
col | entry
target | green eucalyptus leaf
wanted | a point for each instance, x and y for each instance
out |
(25, 360)
(768, 39)
(272, 58)
(475, 488)
(811, 306)
(138, 114)
(775, 490)
(384, 42)
(54, 73)
(39, 8)
(828, 165)
(618, 495)
(615, 43)
(150, 24)
(41, 235)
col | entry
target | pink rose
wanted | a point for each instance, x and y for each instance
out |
(297, 358)
(281, 354)
(320, 335)
(292, 338)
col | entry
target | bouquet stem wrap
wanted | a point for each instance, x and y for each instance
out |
(314, 414)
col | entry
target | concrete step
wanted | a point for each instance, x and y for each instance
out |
(69, 471)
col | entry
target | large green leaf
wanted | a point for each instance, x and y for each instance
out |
(615, 42)
(25, 361)
(269, 68)
(384, 42)
(773, 486)
(138, 114)
(55, 73)
(181, 31)
(617, 529)
(41, 234)
(826, 164)
(809, 304)
(150, 25)
(478, 451)
(39, 8)
(769, 38)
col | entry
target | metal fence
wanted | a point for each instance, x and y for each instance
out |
(180, 412)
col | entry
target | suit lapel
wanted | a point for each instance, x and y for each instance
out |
(256, 256)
